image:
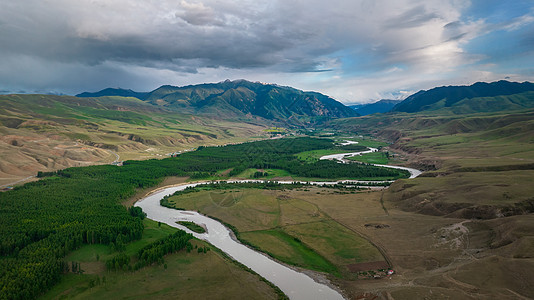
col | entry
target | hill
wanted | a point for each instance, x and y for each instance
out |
(479, 97)
(381, 106)
(114, 92)
(48, 132)
(476, 162)
(243, 99)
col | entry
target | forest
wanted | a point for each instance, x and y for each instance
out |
(41, 222)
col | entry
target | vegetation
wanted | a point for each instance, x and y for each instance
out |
(183, 275)
(264, 185)
(277, 154)
(42, 222)
(56, 132)
(479, 97)
(236, 99)
(154, 252)
(295, 252)
(279, 220)
(381, 106)
(192, 226)
(381, 158)
(470, 211)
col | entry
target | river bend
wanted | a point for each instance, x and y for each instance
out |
(294, 284)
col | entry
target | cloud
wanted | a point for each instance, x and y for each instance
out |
(287, 36)
(518, 22)
(199, 14)
(334, 45)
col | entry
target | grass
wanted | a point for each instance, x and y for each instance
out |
(192, 226)
(184, 275)
(372, 158)
(342, 249)
(289, 249)
(151, 233)
(63, 131)
(477, 170)
(291, 229)
(315, 155)
(497, 189)
(272, 173)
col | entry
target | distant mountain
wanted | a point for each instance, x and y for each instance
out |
(245, 99)
(381, 106)
(479, 97)
(113, 92)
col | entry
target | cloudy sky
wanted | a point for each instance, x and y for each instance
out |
(352, 50)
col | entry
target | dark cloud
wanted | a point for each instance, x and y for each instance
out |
(251, 43)
(69, 45)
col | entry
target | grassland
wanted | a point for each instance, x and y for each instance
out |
(432, 256)
(477, 164)
(45, 132)
(272, 174)
(380, 158)
(184, 275)
(464, 229)
(314, 155)
(287, 226)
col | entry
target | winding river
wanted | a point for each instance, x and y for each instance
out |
(294, 284)
(341, 158)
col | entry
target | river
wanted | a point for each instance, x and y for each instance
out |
(341, 158)
(294, 284)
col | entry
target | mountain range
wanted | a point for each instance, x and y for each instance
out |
(381, 106)
(479, 97)
(240, 99)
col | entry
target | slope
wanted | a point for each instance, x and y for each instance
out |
(478, 165)
(479, 97)
(45, 132)
(245, 100)
(381, 106)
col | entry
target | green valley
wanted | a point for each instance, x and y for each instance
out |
(462, 229)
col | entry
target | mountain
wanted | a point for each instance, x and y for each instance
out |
(381, 106)
(113, 92)
(479, 97)
(244, 99)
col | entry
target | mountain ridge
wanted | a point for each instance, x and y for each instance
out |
(242, 98)
(455, 96)
(113, 92)
(381, 106)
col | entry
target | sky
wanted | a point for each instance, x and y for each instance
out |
(356, 51)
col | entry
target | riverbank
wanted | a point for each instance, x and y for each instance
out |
(223, 238)
(295, 285)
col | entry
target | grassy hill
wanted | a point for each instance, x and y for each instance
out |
(478, 164)
(46, 132)
(479, 97)
(470, 215)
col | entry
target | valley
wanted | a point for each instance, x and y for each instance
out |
(290, 150)
(463, 229)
